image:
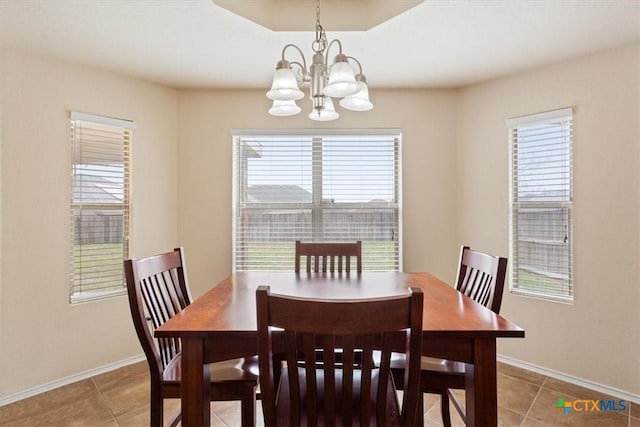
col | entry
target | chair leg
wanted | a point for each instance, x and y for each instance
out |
(248, 407)
(419, 420)
(156, 404)
(444, 408)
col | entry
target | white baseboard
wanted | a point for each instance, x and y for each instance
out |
(620, 394)
(71, 379)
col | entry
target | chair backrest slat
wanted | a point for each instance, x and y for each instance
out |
(481, 277)
(339, 389)
(330, 391)
(323, 257)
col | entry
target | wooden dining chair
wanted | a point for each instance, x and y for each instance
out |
(158, 290)
(345, 393)
(481, 277)
(329, 256)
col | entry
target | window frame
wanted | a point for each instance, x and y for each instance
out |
(317, 205)
(101, 154)
(547, 290)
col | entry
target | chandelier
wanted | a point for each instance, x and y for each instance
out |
(325, 81)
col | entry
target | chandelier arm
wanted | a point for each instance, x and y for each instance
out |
(326, 57)
(304, 76)
(304, 60)
(357, 62)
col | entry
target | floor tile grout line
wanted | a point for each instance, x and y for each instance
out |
(533, 402)
(523, 380)
(104, 399)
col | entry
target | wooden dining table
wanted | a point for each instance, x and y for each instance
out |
(221, 325)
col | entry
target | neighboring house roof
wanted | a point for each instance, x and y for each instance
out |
(278, 194)
(96, 190)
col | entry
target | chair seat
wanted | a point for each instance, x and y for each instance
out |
(437, 375)
(445, 366)
(431, 364)
(229, 370)
(283, 407)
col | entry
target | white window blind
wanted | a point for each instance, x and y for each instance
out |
(541, 205)
(100, 205)
(315, 187)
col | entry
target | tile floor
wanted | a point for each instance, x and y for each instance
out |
(120, 398)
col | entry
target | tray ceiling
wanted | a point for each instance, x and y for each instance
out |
(335, 15)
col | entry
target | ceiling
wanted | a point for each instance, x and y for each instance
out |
(199, 44)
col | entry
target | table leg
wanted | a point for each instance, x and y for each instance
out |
(196, 382)
(481, 385)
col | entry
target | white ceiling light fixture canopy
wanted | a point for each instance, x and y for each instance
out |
(325, 81)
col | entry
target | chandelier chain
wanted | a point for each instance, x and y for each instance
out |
(319, 45)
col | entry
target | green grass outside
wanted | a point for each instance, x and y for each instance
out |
(280, 256)
(540, 283)
(98, 266)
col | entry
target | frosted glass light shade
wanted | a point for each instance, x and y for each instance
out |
(359, 101)
(326, 114)
(284, 108)
(342, 81)
(285, 86)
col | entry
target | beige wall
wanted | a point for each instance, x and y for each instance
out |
(428, 122)
(598, 337)
(44, 338)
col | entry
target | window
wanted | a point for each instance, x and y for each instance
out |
(315, 186)
(541, 205)
(100, 205)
